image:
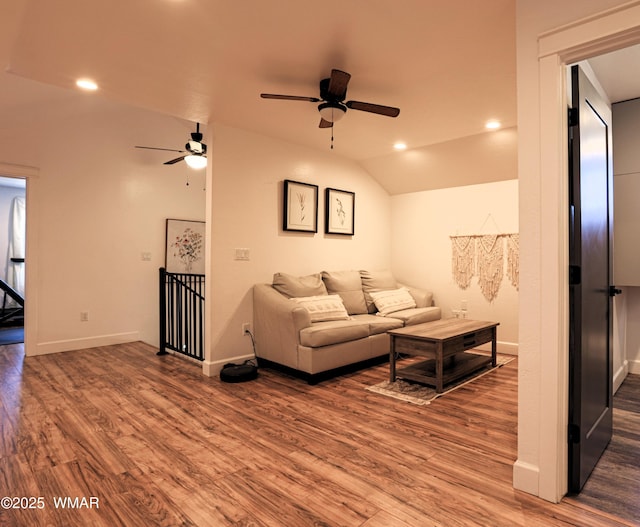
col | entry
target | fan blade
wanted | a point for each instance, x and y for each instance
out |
(325, 124)
(174, 160)
(389, 111)
(289, 97)
(165, 149)
(338, 85)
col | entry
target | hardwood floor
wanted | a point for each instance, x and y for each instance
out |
(157, 443)
(614, 485)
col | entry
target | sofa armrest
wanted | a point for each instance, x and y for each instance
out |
(277, 322)
(422, 297)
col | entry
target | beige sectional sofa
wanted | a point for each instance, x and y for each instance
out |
(315, 326)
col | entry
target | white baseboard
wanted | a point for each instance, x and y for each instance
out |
(508, 348)
(57, 346)
(526, 477)
(619, 376)
(212, 368)
(634, 366)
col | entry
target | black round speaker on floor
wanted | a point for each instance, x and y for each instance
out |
(238, 372)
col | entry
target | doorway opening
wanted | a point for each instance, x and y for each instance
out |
(12, 259)
(616, 350)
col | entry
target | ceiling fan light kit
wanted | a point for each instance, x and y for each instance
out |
(196, 161)
(332, 111)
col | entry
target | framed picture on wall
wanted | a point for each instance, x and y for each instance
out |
(185, 247)
(339, 211)
(300, 207)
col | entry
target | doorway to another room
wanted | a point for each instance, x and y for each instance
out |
(12, 259)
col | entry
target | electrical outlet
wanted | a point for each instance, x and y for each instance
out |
(246, 328)
(242, 253)
(464, 305)
(84, 316)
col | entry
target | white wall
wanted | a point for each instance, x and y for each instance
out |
(626, 166)
(542, 380)
(97, 204)
(246, 212)
(422, 224)
(632, 333)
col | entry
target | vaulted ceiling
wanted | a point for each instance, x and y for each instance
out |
(449, 65)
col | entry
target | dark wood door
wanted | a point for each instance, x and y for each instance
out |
(590, 353)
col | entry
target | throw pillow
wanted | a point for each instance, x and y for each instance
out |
(373, 281)
(348, 285)
(393, 300)
(323, 307)
(295, 286)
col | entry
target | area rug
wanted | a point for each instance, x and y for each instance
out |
(416, 393)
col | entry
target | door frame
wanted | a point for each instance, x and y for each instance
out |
(542, 465)
(30, 174)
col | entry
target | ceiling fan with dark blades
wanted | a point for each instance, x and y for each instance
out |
(332, 107)
(195, 153)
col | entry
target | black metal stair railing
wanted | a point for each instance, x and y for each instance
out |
(6, 313)
(182, 314)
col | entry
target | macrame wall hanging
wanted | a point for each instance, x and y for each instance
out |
(490, 264)
(463, 260)
(482, 255)
(513, 260)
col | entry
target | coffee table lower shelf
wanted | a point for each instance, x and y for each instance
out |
(455, 367)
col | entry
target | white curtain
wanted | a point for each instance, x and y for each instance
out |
(17, 235)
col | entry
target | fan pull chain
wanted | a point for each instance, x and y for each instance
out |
(332, 138)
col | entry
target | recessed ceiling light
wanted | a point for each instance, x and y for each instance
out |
(492, 125)
(86, 84)
(400, 146)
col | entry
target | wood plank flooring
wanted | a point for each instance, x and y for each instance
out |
(157, 443)
(614, 485)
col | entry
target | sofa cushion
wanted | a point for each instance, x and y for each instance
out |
(323, 307)
(422, 297)
(297, 286)
(392, 300)
(334, 332)
(417, 315)
(373, 281)
(378, 324)
(348, 285)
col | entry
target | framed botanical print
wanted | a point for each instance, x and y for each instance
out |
(300, 211)
(185, 246)
(339, 211)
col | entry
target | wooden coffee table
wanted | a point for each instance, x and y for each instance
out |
(443, 343)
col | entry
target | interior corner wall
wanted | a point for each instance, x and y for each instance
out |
(247, 180)
(626, 183)
(422, 223)
(99, 205)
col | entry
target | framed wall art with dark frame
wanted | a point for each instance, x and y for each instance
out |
(339, 211)
(185, 246)
(300, 210)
